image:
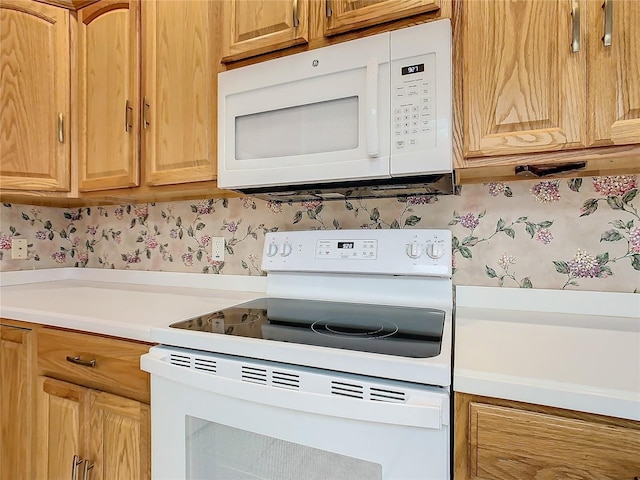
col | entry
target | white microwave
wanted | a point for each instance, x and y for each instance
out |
(371, 117)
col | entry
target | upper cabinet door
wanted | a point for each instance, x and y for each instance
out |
(614, 63)
(252, 27)
(109, 50)
(179, 91)
(346, 15)
(34, 96)
(523, 86)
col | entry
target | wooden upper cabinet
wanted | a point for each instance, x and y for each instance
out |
(34, 96)
(523, 87)
(614, 63)
(179, 91)
(252, 27)
(109, 106)
(346, 15)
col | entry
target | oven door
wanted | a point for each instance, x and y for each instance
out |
(312, 117)
(224, 417)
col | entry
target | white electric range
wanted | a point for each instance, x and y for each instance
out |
(342, 370)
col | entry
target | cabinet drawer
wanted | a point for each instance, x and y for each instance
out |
(116, 368)
(507, 443)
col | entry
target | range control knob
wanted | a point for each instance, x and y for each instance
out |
(414, 250)
(435, 250)
(272, 249)
(286, 250)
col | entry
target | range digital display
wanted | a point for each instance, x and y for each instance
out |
(346, 245)
(408, 70)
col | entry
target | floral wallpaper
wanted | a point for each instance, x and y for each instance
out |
(581, 233)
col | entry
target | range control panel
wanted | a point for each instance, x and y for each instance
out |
(393, 252)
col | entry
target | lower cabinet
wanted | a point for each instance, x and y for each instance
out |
(88, 434)
(498, 440)
(16, 402)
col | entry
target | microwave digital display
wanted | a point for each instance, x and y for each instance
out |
(348, 245)
(408, 70)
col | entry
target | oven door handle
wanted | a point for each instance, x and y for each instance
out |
(430, 411)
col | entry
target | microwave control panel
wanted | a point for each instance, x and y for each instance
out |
(413, 105)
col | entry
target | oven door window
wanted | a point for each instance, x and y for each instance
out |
(218, 451)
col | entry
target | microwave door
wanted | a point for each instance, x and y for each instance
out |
(303, 124)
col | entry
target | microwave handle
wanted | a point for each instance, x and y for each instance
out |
(373, 146)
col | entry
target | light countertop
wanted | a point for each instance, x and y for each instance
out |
(574, 350)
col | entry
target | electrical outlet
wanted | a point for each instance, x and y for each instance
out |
(18, 248)
(217, 249)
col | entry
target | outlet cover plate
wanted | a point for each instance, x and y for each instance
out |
(18, 248)
(217, 249)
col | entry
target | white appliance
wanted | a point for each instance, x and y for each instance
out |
(373, 114)
(342, 371)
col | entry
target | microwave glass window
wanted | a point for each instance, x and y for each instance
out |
(329, 126)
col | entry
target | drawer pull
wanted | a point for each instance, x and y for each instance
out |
(74, 470)
(87, 467)
(79, 361)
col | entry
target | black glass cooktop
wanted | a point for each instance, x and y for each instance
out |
(390, 330)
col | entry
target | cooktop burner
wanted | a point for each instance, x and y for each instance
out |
(390, 330)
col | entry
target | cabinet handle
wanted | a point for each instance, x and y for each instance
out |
(296, 20)
(373, 145)
(575, 26)
(545, 170)
(327, 5)
(87, 467)
(145, 114)
(607, 6)
(79, 361)
(60, 128)
(74, 469)
(128, 110)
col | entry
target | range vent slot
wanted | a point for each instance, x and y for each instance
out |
(285, 380)
(352, 390)
(383, 395)
(180, 360)
(254, 375)
(205, 365)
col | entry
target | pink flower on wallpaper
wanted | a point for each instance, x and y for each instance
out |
(76, 241)
(92, 229)
(232, 226)
(59, 257)
(421, 200)
(496, 188)
(173, 233)
(311, 204)
(203, 207)
(248, 203)
(205, 240)
(187, 259)
(211, 261)
(614, 185)
(634, 239)
(119, 213)
(83, 257)
(506, 260)
(584, 265)
(132, 257)
(41, 235)
(74, 215)
(5, 242)
(544, 236)
(117, 238)
(546, 192)
(141, 210)
(274, 206)
(469, 220)
(151, 242)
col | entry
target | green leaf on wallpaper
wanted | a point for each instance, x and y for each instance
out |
(297, 217)
(179, 222)
(190, 232)
(139, 239)
(575, 184)
(63, 234)
(526, 283)
(465, 252)
(200, 226)
(521, 219)
(619, 224)
(348, 205)
(199, 255)
(51, 235)
(455, 242)
(635, 261)
(412, 220)
(225, 203)
(180, 234)
(148, 254)
(511, 232)
(319, 209)
(602, 258)
(531, 229)
(508, 192)
(375, 215)
(605, 272)
(133, 223)
(500, 225)
(545, 224)
(470, 241)
(491, 273)
(561, 267)
(615, 203)
(336, 224)
(229, 249)
(611, 236)
(589, 206)
(26, 217)
(394, 224)
(630, 195)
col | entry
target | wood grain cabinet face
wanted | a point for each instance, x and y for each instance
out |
(179, 91)
(109, 106)
(34, 96)
(17, 402)
(346, 15)
(252, 27)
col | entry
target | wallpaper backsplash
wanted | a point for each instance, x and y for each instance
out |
(581, 233)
